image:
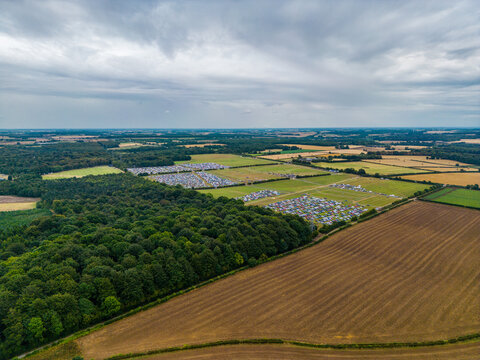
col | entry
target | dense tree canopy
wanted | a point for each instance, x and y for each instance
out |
(114, 242)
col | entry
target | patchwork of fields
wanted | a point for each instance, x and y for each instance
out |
(97, 170)
(407, 275)
(319, 187)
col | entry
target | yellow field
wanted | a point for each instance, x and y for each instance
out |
(14, 203)
(468, 141)
(415, 161)
(461, 179)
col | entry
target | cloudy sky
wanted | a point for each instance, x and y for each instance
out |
(231, 64)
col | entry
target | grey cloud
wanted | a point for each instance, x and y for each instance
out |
(364, 62)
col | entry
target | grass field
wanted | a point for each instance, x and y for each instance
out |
(467, 351)
(319, 186)
(225, 159)
(459, 178)
(15, 203)
(369, 167)
(266, 172)
(97, 170)
(463, 197)
(10, 219)
(410, 274)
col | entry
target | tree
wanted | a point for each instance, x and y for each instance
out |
(35, 330)
(111, 306)
(238, 259)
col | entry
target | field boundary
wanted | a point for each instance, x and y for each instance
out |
(459, 339)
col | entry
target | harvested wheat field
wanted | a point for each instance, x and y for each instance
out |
(410, 274)
(415, 161)
(450, 178)
(467, 351)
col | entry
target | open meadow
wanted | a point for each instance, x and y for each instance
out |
(462, 197)
(408, 275)
(14, 203)
(451, 178)
(369, 167)
(225, 159)
(97, 170)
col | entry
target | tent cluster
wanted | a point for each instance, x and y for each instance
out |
(193, 179)
(318, 210)
(175, 168)
(259, 195)
(360, 189)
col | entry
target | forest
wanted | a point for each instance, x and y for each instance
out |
(114, 242)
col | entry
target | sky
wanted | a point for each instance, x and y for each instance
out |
(239, 64)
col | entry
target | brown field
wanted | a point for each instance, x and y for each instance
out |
(13, 203)
(203, 145)
(408, 275)
(415, 161)
(458, 178)
(467, 351)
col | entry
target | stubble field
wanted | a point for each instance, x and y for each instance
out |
(459, 178)
(408, 275)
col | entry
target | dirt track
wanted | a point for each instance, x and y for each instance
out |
(467, 351)
(411, 274)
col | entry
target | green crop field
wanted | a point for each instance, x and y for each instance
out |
(319, 186)
(370, 168)
(97, 170)
(387, 186)
(267, 172)
(225, 159)
(463, 197)
(19, 218)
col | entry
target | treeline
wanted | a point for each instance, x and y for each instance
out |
(117, 241)
(467, 153)
(24, 159)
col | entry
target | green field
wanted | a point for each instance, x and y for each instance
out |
(267, 172)
(97, 170)
(225, 159)
(319, 186)
(463, 197)
(370, 168)
(387, 186)
(19, 218)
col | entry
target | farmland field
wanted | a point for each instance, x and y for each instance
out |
(407, 275)
(467, 351)
(369, 167)
(266, 172)
(463, 197)
(319, 187)
(225, 159)
(14, 203)
(97, 170)
(459, 178)
(416, 161)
